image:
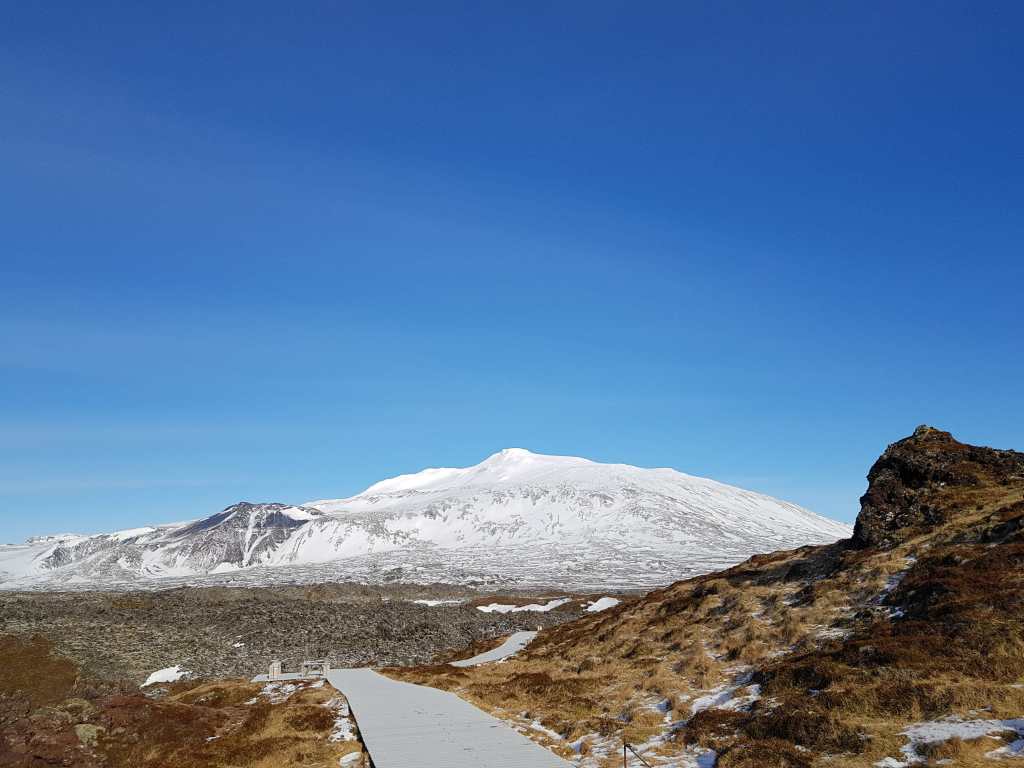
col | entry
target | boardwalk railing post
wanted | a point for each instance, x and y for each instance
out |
(626, 745)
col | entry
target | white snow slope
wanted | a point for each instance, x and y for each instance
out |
(516, 519)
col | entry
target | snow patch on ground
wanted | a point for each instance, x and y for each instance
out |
(894, 612)
(167, 675)
(602, 604)
(540, 728)
(435, 603)
(716, 698)
(1013, 749)
(725, 696)
(601, 750)
(277, 692)
(936, 731)
(512, 645)
(343, 729)
(834, 633)
(505, 608)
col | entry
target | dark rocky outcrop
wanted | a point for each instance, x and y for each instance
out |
(905, 481)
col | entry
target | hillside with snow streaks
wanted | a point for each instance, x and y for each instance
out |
(517, 518)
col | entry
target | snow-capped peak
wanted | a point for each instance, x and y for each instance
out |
(507, 465)
(520, 465)
(517, 515)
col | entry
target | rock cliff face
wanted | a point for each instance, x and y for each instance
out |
(236, 537)
(904, 483)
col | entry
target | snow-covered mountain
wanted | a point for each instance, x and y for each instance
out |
(517, 519)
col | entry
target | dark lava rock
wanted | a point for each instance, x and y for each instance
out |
(902, 484)
(218, 632)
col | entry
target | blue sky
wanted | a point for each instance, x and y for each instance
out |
(254, 251)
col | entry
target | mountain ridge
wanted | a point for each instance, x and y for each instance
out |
(504, 519)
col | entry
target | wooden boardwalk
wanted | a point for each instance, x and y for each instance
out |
(412, 726)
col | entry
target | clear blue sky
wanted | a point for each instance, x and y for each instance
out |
(280, 251)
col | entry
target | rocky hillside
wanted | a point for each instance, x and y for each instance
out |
(516, 519)
(903, 645)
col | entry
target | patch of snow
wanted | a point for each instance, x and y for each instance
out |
(834, 633)
(167, 675)
(435, 603)
(892, 582)
(505, 608)
(537, 726)
(1013, 749)
(936, 731)
(278, 692)
(716, 698)
(297, 513)
(512, 645)
(894, 612)
(343, 729)
(577, 746)
(724, 696)
(602, 604)
(350, 759)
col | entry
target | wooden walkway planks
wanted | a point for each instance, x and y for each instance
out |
(413, 726)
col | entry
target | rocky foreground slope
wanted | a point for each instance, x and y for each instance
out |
(903, 645)
(51, 714)
(516, 519)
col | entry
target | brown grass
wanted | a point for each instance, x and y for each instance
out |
(29, 669)
(289, 733)
(771, 753)
(197, 724)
